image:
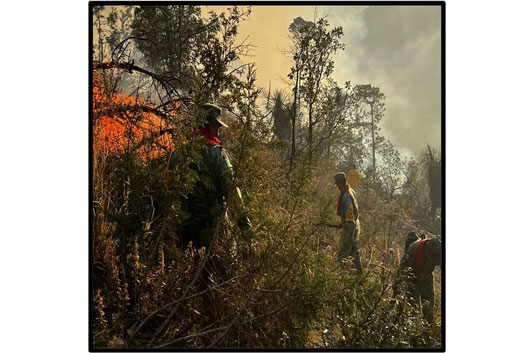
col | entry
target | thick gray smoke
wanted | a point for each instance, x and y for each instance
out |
(397, 48)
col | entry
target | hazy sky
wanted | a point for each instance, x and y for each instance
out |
(397, 48)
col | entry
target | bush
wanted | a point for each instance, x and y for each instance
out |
(278, 285)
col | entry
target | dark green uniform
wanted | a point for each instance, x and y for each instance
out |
(205, 203)
(419, 261)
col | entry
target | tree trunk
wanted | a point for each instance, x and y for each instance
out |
(293, 119)
(179, 64)
(373, 139)
(310, 136)
(100, 38)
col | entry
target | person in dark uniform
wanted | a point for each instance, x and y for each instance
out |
(422, 255)
(205, 203)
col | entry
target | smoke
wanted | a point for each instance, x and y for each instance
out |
(398, 49)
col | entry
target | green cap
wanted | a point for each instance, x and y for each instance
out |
(340, 178)
(212, 113)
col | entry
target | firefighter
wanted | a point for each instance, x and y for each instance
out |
(206, 201)
(348, 210)
(422, 255)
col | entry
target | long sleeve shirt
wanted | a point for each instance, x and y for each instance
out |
(431, 258)
(349, 209)
(219, 169)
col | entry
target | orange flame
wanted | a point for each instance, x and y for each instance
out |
(123, 123)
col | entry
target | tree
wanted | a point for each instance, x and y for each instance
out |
(217, 55)
(281, 116)
(165, 35)
(119, 24)
(332, 110)
(371, 107)
(192, 52)
(390, 170)
(125, 17)
(105, 31)
(431, 168)
(298, 30)
(314, 65)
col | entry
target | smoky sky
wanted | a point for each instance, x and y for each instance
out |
(398, 49)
